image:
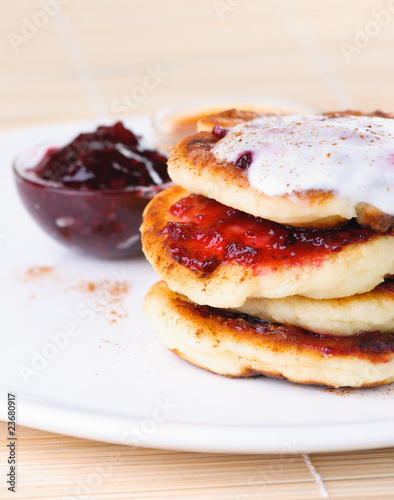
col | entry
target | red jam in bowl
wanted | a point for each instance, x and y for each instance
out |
(90, 194)
(206, 233)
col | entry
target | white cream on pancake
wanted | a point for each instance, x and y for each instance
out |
(350, 155)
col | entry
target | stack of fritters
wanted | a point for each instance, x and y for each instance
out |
(293, 283)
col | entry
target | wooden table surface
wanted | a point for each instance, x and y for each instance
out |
(63, 60)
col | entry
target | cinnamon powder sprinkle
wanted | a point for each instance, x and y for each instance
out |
(113, 291)
(37, 272)
(116, 289)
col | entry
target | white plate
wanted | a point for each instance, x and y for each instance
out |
(114, 382)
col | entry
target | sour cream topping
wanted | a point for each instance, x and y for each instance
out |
(350, 155)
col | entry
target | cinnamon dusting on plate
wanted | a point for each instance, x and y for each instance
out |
(107, 296)
(36, 273)
(116, 289)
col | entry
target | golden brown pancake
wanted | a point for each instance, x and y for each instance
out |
(370, 311)
(193, 166)
(240, 346)
(356, 268)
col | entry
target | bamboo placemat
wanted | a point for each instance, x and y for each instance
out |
(53, 466)
(91, 54)
(79, 60)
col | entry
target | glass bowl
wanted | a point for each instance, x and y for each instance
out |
(103, 223)
(172, 123)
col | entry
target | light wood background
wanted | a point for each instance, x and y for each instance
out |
(80, 63)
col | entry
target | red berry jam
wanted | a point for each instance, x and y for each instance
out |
(375, 346)
(244, 160)
(207, 233)
(219, 132)
(109, 158)
(90, 194)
